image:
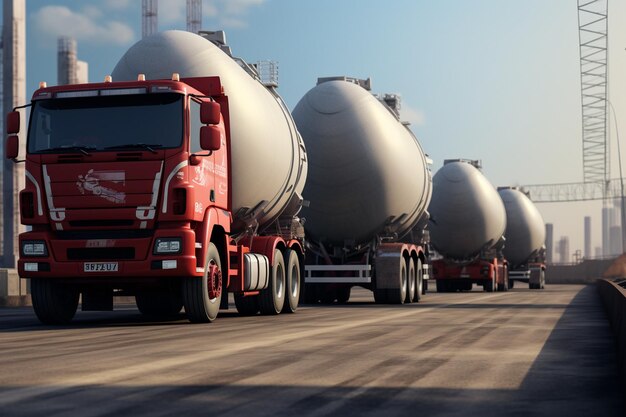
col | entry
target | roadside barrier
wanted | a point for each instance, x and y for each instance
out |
(613, 294)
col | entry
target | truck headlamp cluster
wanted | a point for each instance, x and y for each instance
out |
(34, 248)
(166, 246)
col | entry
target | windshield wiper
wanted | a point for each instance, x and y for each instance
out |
(81, 149)
(149, 147)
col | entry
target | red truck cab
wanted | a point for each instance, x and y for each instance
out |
(128, 192)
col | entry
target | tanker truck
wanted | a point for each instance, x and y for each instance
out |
(368, 186)
(178, 181)
(467, 224)
(525, 238)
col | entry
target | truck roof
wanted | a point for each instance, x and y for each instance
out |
(203, 86)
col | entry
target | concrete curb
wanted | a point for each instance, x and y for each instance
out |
(16, 301)
(614, 299)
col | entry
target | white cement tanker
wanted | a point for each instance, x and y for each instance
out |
(525, 238)
(368, 184)
(467, 226)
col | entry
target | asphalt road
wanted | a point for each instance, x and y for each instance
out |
(519, 353)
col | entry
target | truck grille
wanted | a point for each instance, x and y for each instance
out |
(101, 223)
(84, 254)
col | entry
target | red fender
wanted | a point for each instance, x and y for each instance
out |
(266, 245)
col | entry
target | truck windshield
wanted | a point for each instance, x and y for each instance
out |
(86, 124)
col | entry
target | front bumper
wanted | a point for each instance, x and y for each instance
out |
(134, 258)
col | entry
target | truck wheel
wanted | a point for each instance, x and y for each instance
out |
(488, 286)
(411, 284)
(53, 303)
(159, 304)
(202, 296)
(398, 295)
(247, 306)
(292, 290)
(419, 281)
(272, 299)
(441, 286)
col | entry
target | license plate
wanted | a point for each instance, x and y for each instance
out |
(100, 267)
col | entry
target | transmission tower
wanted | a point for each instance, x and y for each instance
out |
(194, 16)
(593, 40)
(149, 17)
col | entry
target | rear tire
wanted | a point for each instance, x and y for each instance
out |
(54, 303)
(200, 308)
(293, 281)
(272, 299)
(159, 304)
(441, 286)
(398, 295)
(419, 281)
(411, 281)
(488, 286)
(247, 306)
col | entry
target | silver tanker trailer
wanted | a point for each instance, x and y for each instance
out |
(467, 224)
(525, 237)
(368, 185)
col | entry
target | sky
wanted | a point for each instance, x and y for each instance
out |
(495, 80)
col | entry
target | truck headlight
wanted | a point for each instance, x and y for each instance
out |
(34, 248)
(166, 245)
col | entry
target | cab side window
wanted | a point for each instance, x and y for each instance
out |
(194, 126)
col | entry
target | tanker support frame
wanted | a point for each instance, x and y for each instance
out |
(490, 273)
(396, 273)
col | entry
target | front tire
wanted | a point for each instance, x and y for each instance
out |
(272, 299)
(202, 296)
(54, 303)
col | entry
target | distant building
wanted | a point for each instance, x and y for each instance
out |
(587, 252)
(66, 61)
(82, 72)
(616, 240)
(69, 69)
(564, 249)
(549, 242)
(598, 252)
(13, 94)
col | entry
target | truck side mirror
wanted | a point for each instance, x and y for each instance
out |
(210, 138)
(12, 146)
(210, 113)
(13, 122)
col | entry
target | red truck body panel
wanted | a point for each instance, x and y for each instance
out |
(110, 207)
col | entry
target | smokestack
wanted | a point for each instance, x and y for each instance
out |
(14, 94)
(587, 252)
(66, 61)
(149, 20)
(194, 16)
(549, 242)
